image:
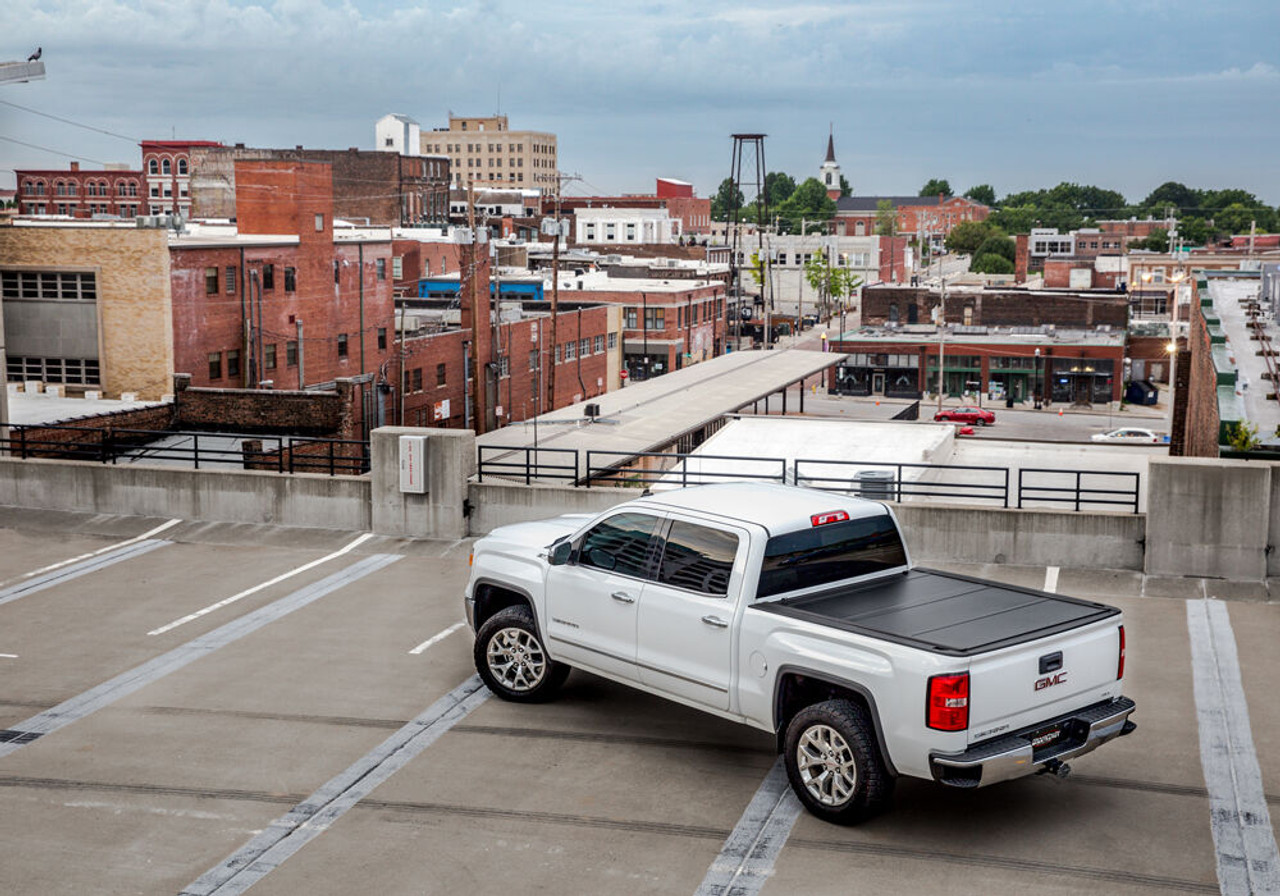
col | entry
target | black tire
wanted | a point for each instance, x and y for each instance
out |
(834, 763)
(512, 661)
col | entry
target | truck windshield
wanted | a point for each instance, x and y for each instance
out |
(830, 553)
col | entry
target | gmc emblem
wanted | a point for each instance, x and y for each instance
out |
(1050, 681)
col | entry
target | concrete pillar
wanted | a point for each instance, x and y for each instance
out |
(450, 463)
(1208, 517)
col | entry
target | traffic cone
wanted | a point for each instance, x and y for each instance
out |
(1059, 412)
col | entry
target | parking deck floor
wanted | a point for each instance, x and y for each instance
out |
(200, 708)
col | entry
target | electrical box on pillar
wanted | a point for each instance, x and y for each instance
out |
(413, 465)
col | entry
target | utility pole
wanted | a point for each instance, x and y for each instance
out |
(561, 180)
(942, 321)
(481, 378)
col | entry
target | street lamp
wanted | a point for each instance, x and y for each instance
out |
(1036, 387)
(1172, 349)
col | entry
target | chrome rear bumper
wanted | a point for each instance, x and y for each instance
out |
(1015, 755)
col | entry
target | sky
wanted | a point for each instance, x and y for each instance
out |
(1019, 95)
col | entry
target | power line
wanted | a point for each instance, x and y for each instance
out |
(56, 152)
(77, 124)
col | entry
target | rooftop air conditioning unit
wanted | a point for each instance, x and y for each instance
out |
(591, 410)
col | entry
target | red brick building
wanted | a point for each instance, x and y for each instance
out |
(277, 298)
(932, 216)
(906, 305)
(81, 194)
(166, 167)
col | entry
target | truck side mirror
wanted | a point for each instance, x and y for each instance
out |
(560, 553)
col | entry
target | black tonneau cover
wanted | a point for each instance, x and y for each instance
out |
(942, 612)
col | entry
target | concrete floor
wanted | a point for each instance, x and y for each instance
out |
(604, 790)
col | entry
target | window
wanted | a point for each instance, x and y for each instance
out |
(610, 232)
(153, 167)
(319, 223)
(697, 558)
(631, 232)
(291, 353)
(599, 344)
(165, 167)
(620, 544)
(64, 286)
(269, 356)
(215, 365)
(210, 281)
(382, 339)
(415, 380)
(380, 264)
(504, 366)
(584, 348)
(233, 364)
(397, 268)
(630, 319)
(268, 276)
(182, 166)
(829, 553)
(654, 318)
(231, 279)
(337, 277)
(570, 350)
(441, 375)
(290, 279)
(589, 232)
(342, 345)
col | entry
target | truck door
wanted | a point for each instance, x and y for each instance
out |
(592, 601)
(685, 630)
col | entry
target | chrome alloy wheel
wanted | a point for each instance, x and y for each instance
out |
(516, 659)
(826, 765)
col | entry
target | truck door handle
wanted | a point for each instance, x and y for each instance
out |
(622, 597)
(716, 621)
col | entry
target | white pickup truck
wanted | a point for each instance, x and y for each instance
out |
(799, 612)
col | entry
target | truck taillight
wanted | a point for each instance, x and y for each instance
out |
(1120, 665)
(831, 516)
(948, 702)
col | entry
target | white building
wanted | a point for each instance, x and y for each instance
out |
(620, 226)
(398, 133)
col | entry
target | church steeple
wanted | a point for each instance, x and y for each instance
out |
(829, 173)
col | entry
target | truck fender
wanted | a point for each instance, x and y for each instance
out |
(844, 684)
(486, 610)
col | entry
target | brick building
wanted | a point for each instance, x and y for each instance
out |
(905, 305)
(166, 166)
(80, 194)
(486, 152)
(383, 189)
(933, 216)
(672, 211)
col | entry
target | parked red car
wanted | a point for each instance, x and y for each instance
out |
(980, 416)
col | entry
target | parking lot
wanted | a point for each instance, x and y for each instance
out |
(204, 708)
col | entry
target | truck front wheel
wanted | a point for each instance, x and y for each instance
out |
(834, 764)
(512, 661)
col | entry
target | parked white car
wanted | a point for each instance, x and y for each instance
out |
(1131, 434)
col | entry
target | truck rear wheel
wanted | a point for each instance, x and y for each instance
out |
(834, 764)
(512, 661)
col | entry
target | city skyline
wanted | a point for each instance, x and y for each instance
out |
(1124, 97)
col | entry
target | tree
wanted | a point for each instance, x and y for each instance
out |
(809, 203)
(934, 186)
(886, 218)
(991, 264)
(727, 200)
(997, 244)
(845, 188)
(778, 187)
(967, 236)
(1156, 241)
(830, 281)
(983, 193)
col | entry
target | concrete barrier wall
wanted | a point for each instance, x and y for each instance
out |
(1022, 537)
(302, 500)
(495, 504)
(1211, 517)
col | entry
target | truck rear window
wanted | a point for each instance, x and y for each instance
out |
(830, 553)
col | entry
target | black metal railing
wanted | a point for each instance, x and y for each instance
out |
(649, 467)
(1082, 489)
(942, 481)
(1079, 488)
(110, 445)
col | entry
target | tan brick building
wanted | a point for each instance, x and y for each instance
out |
(485, 152)
(88, 307)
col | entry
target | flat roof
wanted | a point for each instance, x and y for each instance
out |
(1229, 295)
(33, 408)
(649, 415)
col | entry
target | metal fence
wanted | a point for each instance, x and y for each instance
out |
(108, 445)
(1081, 489)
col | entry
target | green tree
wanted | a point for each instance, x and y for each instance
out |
(778, 187)
(1014, 218)
(832, 283)
(967, 236)
(809, 204)
(886, 218)
(991, 264)
(997, 244)
(1156, 241)
(983, 193)
(727, 199)
(845, 188)
(1170, 194)
(934, 186)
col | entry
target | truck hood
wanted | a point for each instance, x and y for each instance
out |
(537, 534)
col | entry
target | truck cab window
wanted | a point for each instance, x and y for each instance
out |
(830, 553)
(620, 544)
(698, 558)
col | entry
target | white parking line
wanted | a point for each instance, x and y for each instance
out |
(437, 638)
(1051, 579)
(1248, 860)
(256, 588)
(8, 656)
(112, 547)
(745, 863)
